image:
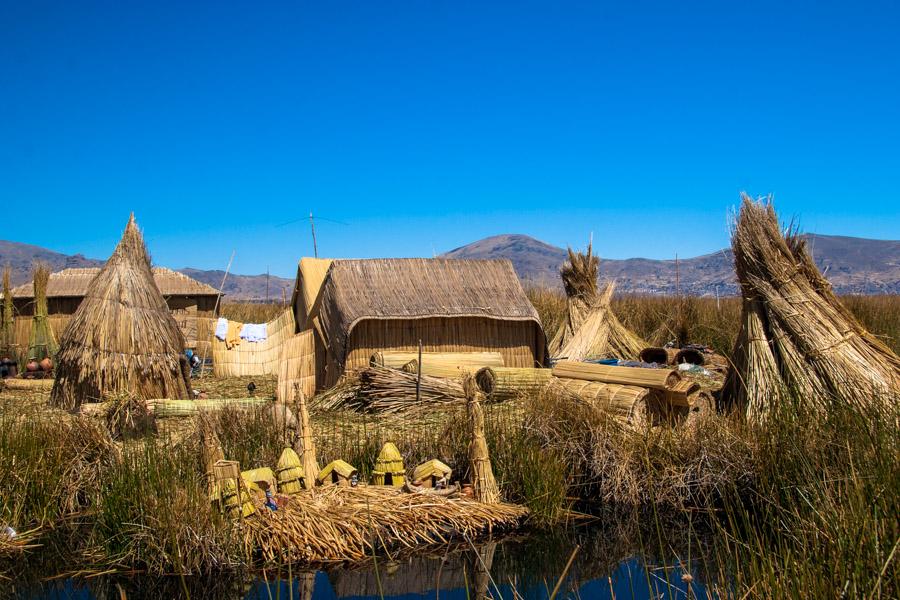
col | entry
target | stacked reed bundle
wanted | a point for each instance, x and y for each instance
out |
(507, 383)
(42, 342)
(390, 391)
(437, 364)
(797, 341)
(658, 379)
(163, 408)
(483, 483)
(122, 339)
(590, 328)
(344, 394)
(290, 472)
(337, 523)
(627, 402)
(297, 367)
(254, 358)
(7, 325)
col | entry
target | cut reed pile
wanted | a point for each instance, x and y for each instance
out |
(627, 402)
(337, 524)
(386, 390)
(506, 383)
(590, 328)
(122, 339)
(797, 340)
(438, 364)
(659, 379)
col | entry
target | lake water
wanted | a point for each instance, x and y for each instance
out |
(608, 564)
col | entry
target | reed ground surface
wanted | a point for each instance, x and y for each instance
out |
(803, 506)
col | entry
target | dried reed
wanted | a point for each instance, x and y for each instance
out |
(507, 383)
(660, 379)
(483, 483)
(42, 342)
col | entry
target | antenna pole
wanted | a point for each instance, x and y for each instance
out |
(313, 227)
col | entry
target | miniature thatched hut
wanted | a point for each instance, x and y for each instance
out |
(338, 472)
(122, 339)
(432, 473)
(365, 306)
(389, 468)
(590, 328)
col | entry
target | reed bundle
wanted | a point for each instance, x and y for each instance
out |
(122, 339)
(682, 393)
(507, 383)
(437, 364)
(7, 324)
(42, 342)
(342, 395)
(797, 341)
(304, 444)
(165, 408)
(658, 379)
(483, 482)
(16, 383)
(590, 328)
(337, 524)
(627, 402)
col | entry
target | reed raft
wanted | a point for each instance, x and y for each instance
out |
(659, 379)
(336, 524)
(508, 383)
(437, 364)
(797, 341)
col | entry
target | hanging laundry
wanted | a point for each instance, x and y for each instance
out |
(221, 328)
(255, 332)
(233, 337)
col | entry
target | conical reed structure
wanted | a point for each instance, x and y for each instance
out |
(7, 325)
(483, 483)
(42, 342)
(304, 445)
(122, 339)
(797, 341)
(590, 329)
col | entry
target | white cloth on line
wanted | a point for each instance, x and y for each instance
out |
(254, 332)
(221, 328)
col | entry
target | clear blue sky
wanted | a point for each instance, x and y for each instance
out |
(422, 126)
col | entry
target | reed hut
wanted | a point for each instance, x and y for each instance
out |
(337, 472)
(432, 473)
(289, 472)
(192, 303)
(389, 468)
(590, 328)
(797, 342)
(42, 342)
(367, 306)
(122, 339)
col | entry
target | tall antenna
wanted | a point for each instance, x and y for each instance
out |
(313, 226)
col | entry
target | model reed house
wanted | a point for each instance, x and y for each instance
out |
(360, 307)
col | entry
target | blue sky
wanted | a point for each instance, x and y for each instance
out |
(422, 126)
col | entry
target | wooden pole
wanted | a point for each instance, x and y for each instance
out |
(419, 376)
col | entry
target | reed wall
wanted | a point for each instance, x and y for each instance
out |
(297, 367)
(257, 358)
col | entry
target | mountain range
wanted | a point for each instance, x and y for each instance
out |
(853, 265)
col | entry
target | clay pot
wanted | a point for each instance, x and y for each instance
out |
(46, 365)
(31, 366)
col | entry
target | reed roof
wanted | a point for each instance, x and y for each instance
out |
(418, 288)
(122, 339)
(342, 468)
(311, 274)
(75, 283)
(431, 468)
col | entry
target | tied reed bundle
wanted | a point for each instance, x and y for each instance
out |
(507, 383)
(304, 445)
(42, 342)
(7, 325)
(625, 402)
(797, 340)
(392, 391)
(122, 338)
(590, 328)
(483, 483)
(659, 379)
(437, 364)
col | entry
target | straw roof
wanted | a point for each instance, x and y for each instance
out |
(342, 468)
(311, 274)
(75, 283)
(122, 338)
(431, 468)
(389, 453)
(417, 288)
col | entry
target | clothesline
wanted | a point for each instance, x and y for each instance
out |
(232, 332)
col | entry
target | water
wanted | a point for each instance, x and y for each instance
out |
(606, 565)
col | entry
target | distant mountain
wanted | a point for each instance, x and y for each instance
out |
(237, 287)
(853, 265)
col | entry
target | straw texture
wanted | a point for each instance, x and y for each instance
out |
(797, 340)
(483, 483)
(254, 358)
(389, 469)
(122, 339)
(437, 364)
(42, 341)
(307, 287)
(297, 367)
(626, 402)
(7, 331)
(304, 444)
(590, 329)
(507, 383)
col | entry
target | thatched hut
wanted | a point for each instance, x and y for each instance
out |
(591, 328)
(432, 473)
(122, 339)
(192, 303)
(365, 306)
(389, 468)
(338, 472)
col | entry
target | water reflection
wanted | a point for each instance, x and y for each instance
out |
(614, 560)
